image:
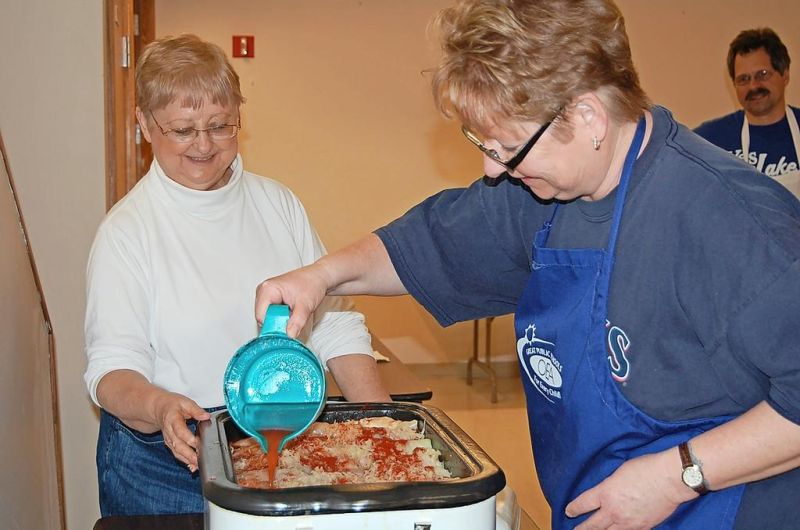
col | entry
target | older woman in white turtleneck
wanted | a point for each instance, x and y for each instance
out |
(171, 278)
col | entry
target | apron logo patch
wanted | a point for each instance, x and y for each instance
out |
(618, 346)
(537, 358)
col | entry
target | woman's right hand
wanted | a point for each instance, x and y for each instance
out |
(142, 406)
(361, 268)
(171, 412)
(302, 290)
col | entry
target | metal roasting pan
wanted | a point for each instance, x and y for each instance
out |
(476, 476)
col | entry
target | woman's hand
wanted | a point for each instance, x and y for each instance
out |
(302, 290)
(640, 494)
(361, 268)
(171, 411)
(646, 490)
(142, 406)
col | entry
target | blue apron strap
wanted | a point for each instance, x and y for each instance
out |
(622, 193)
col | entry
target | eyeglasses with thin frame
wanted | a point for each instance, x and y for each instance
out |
(511, 163)
(759, 75)
(185, 135)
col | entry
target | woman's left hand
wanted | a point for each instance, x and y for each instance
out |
(640, 494)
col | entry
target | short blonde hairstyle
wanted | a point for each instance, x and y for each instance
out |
(188, 67)
(527, 59)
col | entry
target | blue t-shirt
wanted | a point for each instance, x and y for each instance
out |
(706, 284)
(771, 149)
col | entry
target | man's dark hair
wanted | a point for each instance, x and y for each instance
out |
(752, 39)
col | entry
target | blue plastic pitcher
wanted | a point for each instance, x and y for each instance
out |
(274, 382)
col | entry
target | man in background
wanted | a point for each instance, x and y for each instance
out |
(765, 133)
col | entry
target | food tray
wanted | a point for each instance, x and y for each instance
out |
(476, 477)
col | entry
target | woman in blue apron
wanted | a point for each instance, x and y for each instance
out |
(655, 279)
(586, 430)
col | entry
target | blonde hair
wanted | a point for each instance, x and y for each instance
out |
(527, 59)
(188, 67)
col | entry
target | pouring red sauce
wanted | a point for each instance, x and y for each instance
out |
(274, 438)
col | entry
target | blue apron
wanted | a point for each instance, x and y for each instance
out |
(582, 427)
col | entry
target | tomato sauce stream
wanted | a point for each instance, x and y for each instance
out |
(274, 438)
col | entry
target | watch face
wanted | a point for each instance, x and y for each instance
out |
(692, 476)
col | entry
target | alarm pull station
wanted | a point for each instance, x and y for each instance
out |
(244, 46)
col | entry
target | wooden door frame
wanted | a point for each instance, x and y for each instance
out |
(129, 26)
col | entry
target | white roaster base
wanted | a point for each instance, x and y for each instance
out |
(478, 516)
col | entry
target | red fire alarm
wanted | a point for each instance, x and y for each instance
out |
(244, 46)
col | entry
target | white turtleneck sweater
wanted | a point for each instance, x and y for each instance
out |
(172, 276)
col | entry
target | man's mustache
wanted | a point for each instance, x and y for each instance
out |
(756, 93)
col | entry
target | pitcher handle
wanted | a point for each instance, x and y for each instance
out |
(275, 320)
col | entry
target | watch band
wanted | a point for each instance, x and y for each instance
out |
(688, 461)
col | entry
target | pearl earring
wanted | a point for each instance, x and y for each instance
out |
(595, 143)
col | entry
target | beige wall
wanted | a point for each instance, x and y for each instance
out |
(680, 47)
(51, 117)
(338, 110)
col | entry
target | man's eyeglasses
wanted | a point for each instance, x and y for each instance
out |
(510, 163)
(760, 75)
(185, 135)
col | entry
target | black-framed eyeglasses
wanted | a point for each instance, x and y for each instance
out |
(185, 135)
(759, 75)
(511, 163)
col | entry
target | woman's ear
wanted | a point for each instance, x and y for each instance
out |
(140, 117)
(591, 113)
